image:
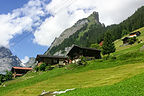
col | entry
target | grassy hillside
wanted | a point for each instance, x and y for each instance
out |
(129, 87)
(113, 77)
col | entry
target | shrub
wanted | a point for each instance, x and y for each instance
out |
(36, 68)
(82, 61)
(42, 67)
(8, 76)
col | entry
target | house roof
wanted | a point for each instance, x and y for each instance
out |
(22, 68)
(83, 48)
(126, 38)
(134, 33)
(50, 57)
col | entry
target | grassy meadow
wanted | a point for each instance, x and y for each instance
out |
(121, 75)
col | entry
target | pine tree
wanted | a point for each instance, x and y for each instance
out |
(108, 45)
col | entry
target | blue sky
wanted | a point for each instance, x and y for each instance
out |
(8, 5)
(28, 27)
(22, 44)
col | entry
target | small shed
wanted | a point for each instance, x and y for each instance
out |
(50, 60)
(77, 51)
(19, 71)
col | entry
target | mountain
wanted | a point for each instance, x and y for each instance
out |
(31, 63)
(7, 60)
(74, 35)
(89, 30)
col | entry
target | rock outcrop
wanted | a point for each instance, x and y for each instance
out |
(7, 60)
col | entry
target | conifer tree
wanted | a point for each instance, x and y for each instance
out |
(108, 45)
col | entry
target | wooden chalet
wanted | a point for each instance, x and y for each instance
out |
(19, 71)
(125, 40)
(134, 34)
(50, 60)
(76, 52)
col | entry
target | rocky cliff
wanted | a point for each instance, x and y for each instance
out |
(93, 18)
(7, 60)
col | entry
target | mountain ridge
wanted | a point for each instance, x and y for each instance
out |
(8, 60)
(93, 19)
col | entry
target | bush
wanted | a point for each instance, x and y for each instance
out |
(8, 76)
(82, 61)
(42, 67)
(36, 68)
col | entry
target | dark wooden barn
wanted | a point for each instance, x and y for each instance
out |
(19, 71)
(76, 52)
(50, 60)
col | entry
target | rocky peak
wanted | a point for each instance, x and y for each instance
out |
(93, 18)
(7, 60)
(81, 22)
(4, 52)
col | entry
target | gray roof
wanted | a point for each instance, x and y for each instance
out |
(51, 57)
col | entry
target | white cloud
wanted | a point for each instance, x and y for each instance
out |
(20, 20)
(66, 12)
(25, 60)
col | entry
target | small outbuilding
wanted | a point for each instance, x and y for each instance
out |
(20, 71)
(50, 60)
(77, 51)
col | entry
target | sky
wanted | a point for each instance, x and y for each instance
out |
(28, 27)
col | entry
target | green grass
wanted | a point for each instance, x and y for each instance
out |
(101, 76)
(119, 41)
(130, 87)
(95, 73)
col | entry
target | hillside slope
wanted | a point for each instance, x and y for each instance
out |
(98, 77)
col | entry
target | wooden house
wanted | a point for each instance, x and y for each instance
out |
(19, 71)
(50, 60)
(76, 52)
(134, 34)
